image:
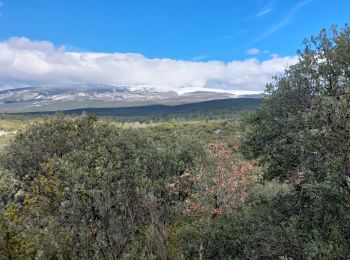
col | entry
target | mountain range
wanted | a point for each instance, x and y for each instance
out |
(42, 99)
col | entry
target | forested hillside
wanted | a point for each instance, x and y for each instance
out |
(273, 183)
(214, 109)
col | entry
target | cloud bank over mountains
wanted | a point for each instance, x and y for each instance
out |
(24, 63)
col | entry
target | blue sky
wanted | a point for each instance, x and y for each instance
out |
(190, 30)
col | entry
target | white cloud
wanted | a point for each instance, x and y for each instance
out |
(253, 51)
(39, 63)
(263, 12)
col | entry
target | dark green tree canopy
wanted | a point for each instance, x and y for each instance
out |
(303, 123)
(301, 136)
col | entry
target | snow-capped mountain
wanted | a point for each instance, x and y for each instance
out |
(51, 98)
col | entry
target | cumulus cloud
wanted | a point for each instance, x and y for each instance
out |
(253, 51)
(24, 62)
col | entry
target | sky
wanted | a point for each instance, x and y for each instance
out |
(177, 45)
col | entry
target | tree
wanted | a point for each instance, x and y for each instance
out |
(301, 136)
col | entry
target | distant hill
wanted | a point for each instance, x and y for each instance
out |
(87, 97)
(206, 109)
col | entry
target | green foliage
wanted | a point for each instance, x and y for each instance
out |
(301, 136)
(250, 232)
(101, 183)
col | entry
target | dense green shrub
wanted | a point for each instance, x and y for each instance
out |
(89, 189)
